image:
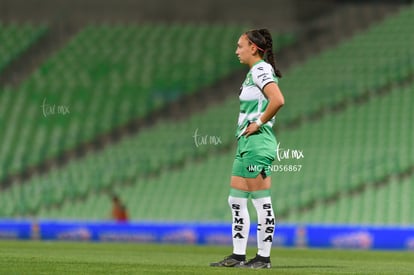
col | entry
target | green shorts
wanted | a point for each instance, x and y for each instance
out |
(255, 154)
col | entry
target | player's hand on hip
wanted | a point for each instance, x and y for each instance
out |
(251, 129)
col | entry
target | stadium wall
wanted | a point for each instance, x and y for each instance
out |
(202, 233)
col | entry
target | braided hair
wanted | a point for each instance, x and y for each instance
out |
(262, 39)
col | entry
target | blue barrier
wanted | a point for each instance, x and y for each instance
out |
(204, 233)
(360, 237)
(12, 229)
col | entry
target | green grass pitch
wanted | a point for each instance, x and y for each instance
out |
(31, 257)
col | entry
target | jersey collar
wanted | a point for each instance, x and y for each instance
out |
(260, 61)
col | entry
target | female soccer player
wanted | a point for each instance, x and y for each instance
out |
(260, 100)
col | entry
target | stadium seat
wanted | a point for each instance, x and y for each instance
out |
(16, 38)
(106, 76)
(348, 150)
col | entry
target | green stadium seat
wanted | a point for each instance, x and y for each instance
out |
(16, 38)
(343, 151)
(108, 75)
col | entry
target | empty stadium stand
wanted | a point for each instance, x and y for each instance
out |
(16, 38)
(114, 73)
(348, 109)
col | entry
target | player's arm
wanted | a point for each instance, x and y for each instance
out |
(276, 101)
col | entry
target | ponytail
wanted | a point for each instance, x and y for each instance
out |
(264, 43)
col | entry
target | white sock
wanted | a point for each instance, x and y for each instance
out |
(265, 225)
(240, 224)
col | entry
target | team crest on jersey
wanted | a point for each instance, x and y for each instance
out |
(249, 80)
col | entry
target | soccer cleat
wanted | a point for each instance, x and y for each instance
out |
(258, 262)
(230, 261)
